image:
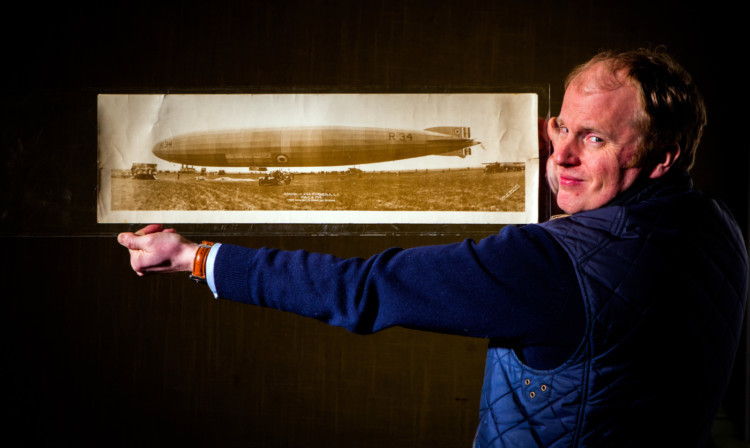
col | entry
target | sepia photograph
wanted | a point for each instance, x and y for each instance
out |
(318, 158)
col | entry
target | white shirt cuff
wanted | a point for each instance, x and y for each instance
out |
(210, 268)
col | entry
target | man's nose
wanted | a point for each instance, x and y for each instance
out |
(565, 151)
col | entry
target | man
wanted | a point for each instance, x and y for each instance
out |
(614, 326)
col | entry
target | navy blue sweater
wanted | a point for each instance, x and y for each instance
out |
(517, 288)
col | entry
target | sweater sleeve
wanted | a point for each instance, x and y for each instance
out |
(511, 286)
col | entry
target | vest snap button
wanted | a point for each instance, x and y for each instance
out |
(527, 381)
(544, 387)
(532, 394)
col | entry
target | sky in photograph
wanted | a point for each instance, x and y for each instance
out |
(505, 124)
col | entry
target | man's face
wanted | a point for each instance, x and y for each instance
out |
(594, 139)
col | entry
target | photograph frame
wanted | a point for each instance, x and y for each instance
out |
(405, 224)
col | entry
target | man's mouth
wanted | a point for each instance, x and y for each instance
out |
(569, 181)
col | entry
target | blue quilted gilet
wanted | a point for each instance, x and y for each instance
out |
(663, 274)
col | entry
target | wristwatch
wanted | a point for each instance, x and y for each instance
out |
(199, 262)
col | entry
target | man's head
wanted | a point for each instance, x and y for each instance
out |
(624, 115)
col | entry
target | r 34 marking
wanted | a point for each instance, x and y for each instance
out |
(400, 137)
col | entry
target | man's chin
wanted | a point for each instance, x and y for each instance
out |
(569, 203)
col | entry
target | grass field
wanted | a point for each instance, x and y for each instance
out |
(465, 190)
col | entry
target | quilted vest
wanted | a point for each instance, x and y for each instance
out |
(663, 275)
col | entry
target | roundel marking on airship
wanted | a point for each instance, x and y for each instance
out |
(457, 131)
(282, 158)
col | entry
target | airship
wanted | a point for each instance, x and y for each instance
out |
(313, 146)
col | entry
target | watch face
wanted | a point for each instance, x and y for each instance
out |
(198, 279)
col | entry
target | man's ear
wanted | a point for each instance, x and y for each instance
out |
(663, 159)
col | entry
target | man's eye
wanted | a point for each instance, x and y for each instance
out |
(595, 139)
(563, 129)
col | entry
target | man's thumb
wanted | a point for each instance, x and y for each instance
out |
(129, 240)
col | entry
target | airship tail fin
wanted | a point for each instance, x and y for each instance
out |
(455, 131)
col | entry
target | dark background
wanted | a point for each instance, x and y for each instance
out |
(94, 355)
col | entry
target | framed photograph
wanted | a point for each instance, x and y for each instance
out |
(421, 158)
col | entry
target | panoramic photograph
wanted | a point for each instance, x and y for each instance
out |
(318, 158)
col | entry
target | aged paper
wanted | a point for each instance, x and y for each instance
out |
(318, 158)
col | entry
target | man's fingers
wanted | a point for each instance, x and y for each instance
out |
(130, 239)
(151, 228)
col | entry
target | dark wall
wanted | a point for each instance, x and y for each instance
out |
(96, 355)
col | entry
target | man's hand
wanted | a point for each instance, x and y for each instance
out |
(155, 249)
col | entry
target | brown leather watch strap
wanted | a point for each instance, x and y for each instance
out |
(199, 262)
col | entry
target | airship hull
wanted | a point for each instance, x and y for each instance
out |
(312, 146)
